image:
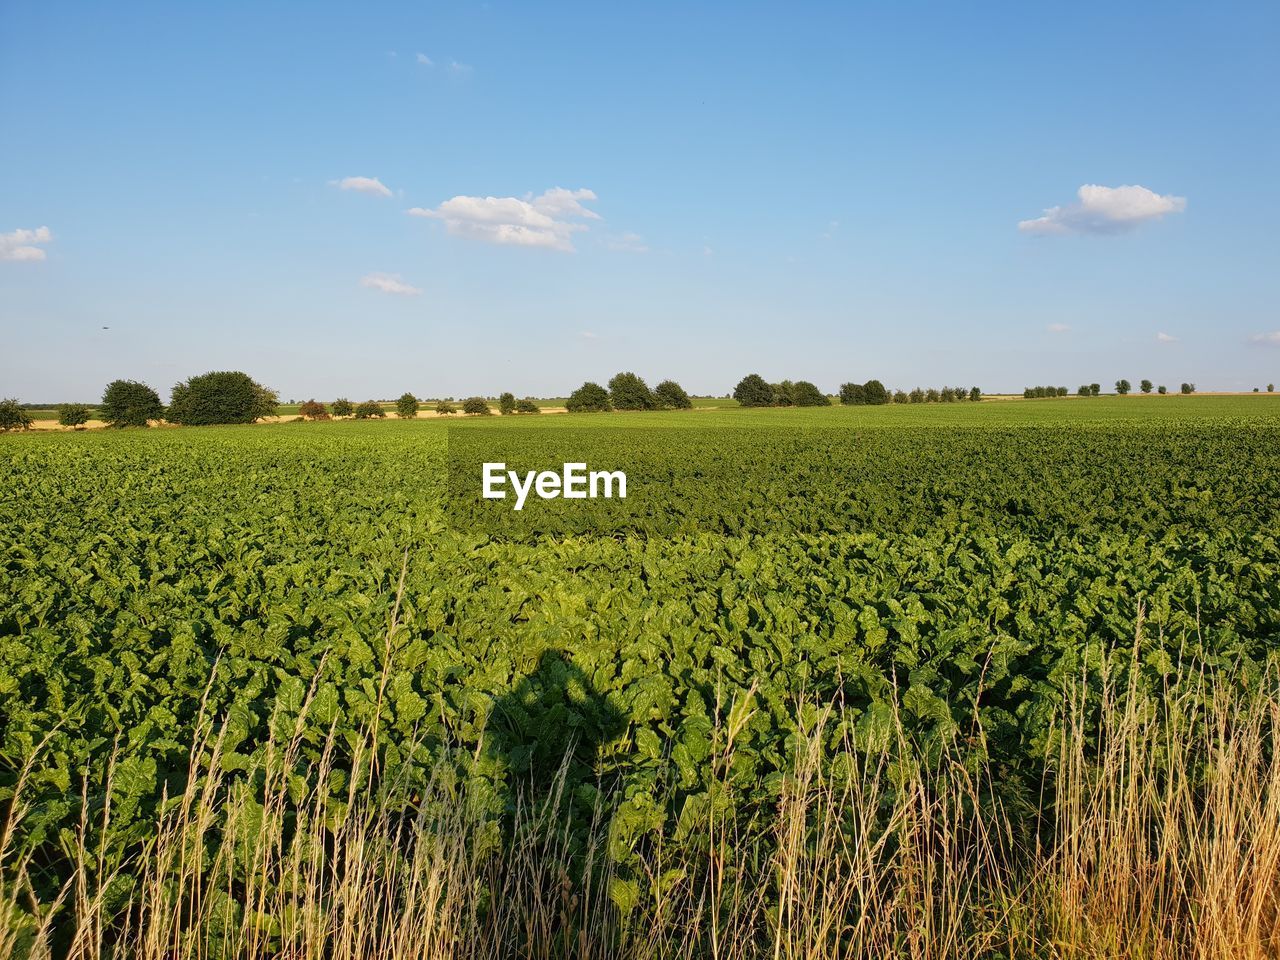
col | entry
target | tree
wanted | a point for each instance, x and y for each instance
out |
(807, 394)
(589, 398)
(900, 396)
(853, 394)
(1083, 391)
(476, 406)
(221, 396)
(875, 392)
(1162, 389)
(527, 406)
(13, 416)
(73, 414)
(444, 408)
(407, 406)
(314, 410)
(975, 394)
(947, 395)
(784, 394)
(370, 409)
(1188, 388)
(628, 392)
(342, 407)
(506, 404)
(1271, 388)
(127, 403)
(1123, 387)
(753, 391)
(917, 395)
(1145, 386)
(1095, 389)
(669, 395)
(932, 396)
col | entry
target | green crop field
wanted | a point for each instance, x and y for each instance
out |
(309, 619)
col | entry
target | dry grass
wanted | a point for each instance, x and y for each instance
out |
(1159, 838)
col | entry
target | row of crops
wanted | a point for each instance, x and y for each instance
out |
(946, 577)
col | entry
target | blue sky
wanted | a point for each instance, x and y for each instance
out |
(828, 192)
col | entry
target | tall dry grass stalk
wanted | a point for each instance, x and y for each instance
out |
(1160, 838)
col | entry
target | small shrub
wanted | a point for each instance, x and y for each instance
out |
(669, 395)
(313, 410)
(589, 398)
(13, 416)
(369, 410)
(476, 406)
(73, 414)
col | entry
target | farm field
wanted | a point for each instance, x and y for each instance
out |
(904, 659)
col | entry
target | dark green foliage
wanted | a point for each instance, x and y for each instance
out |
(445, 408)
(128, 403)
(875, 393)
(220, 397)
(1188, 388)
(629, 392)
(669, 395)
(1162, 389)
(342, 407)
(527, 406)
(589, 398)
(853, 394)
(975, 395)
(807, 394)
(407, 406)
(1145, 386)
(784, 394)
(506, 404)
(932, 395)
(917, 395)
(1123, 387)
(1083, 391)
(13, 416)
(477, 406)
(73, 414)
(901, 396)
(1041, 392)
(369, 410)
(753, 391)
(1095, 389)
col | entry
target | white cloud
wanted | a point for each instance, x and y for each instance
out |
(547, 220)
(1271, 339)
(388, 283)
(370, 185)
(627, 243)
(1058, 327)
(1163, 337)
(423, 59)
(1101, 210)
(459, 69)
(21, 244)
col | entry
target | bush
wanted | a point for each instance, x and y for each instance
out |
(221, 396)
(932, 396)
(1123, 387)
(407, 406)
(527, 406)
(127, 403)
(507, 404)
(753, 391)
(628, 392)
(13, 416)
(975, 395)
(1145, 386)
(445, 408)
(1083, 391)
(875, 392)
(1271, 388)
(1095, 389)
(368, 410)
(313, 410)
(342, 407)
(784, 394)
(901, 396)
(1162, 389)
(917, 395)
(853, 394)
(1188, 388)
(589, 398)
(476, 406)
(807, 394)
(669, 395)
(73, 414)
